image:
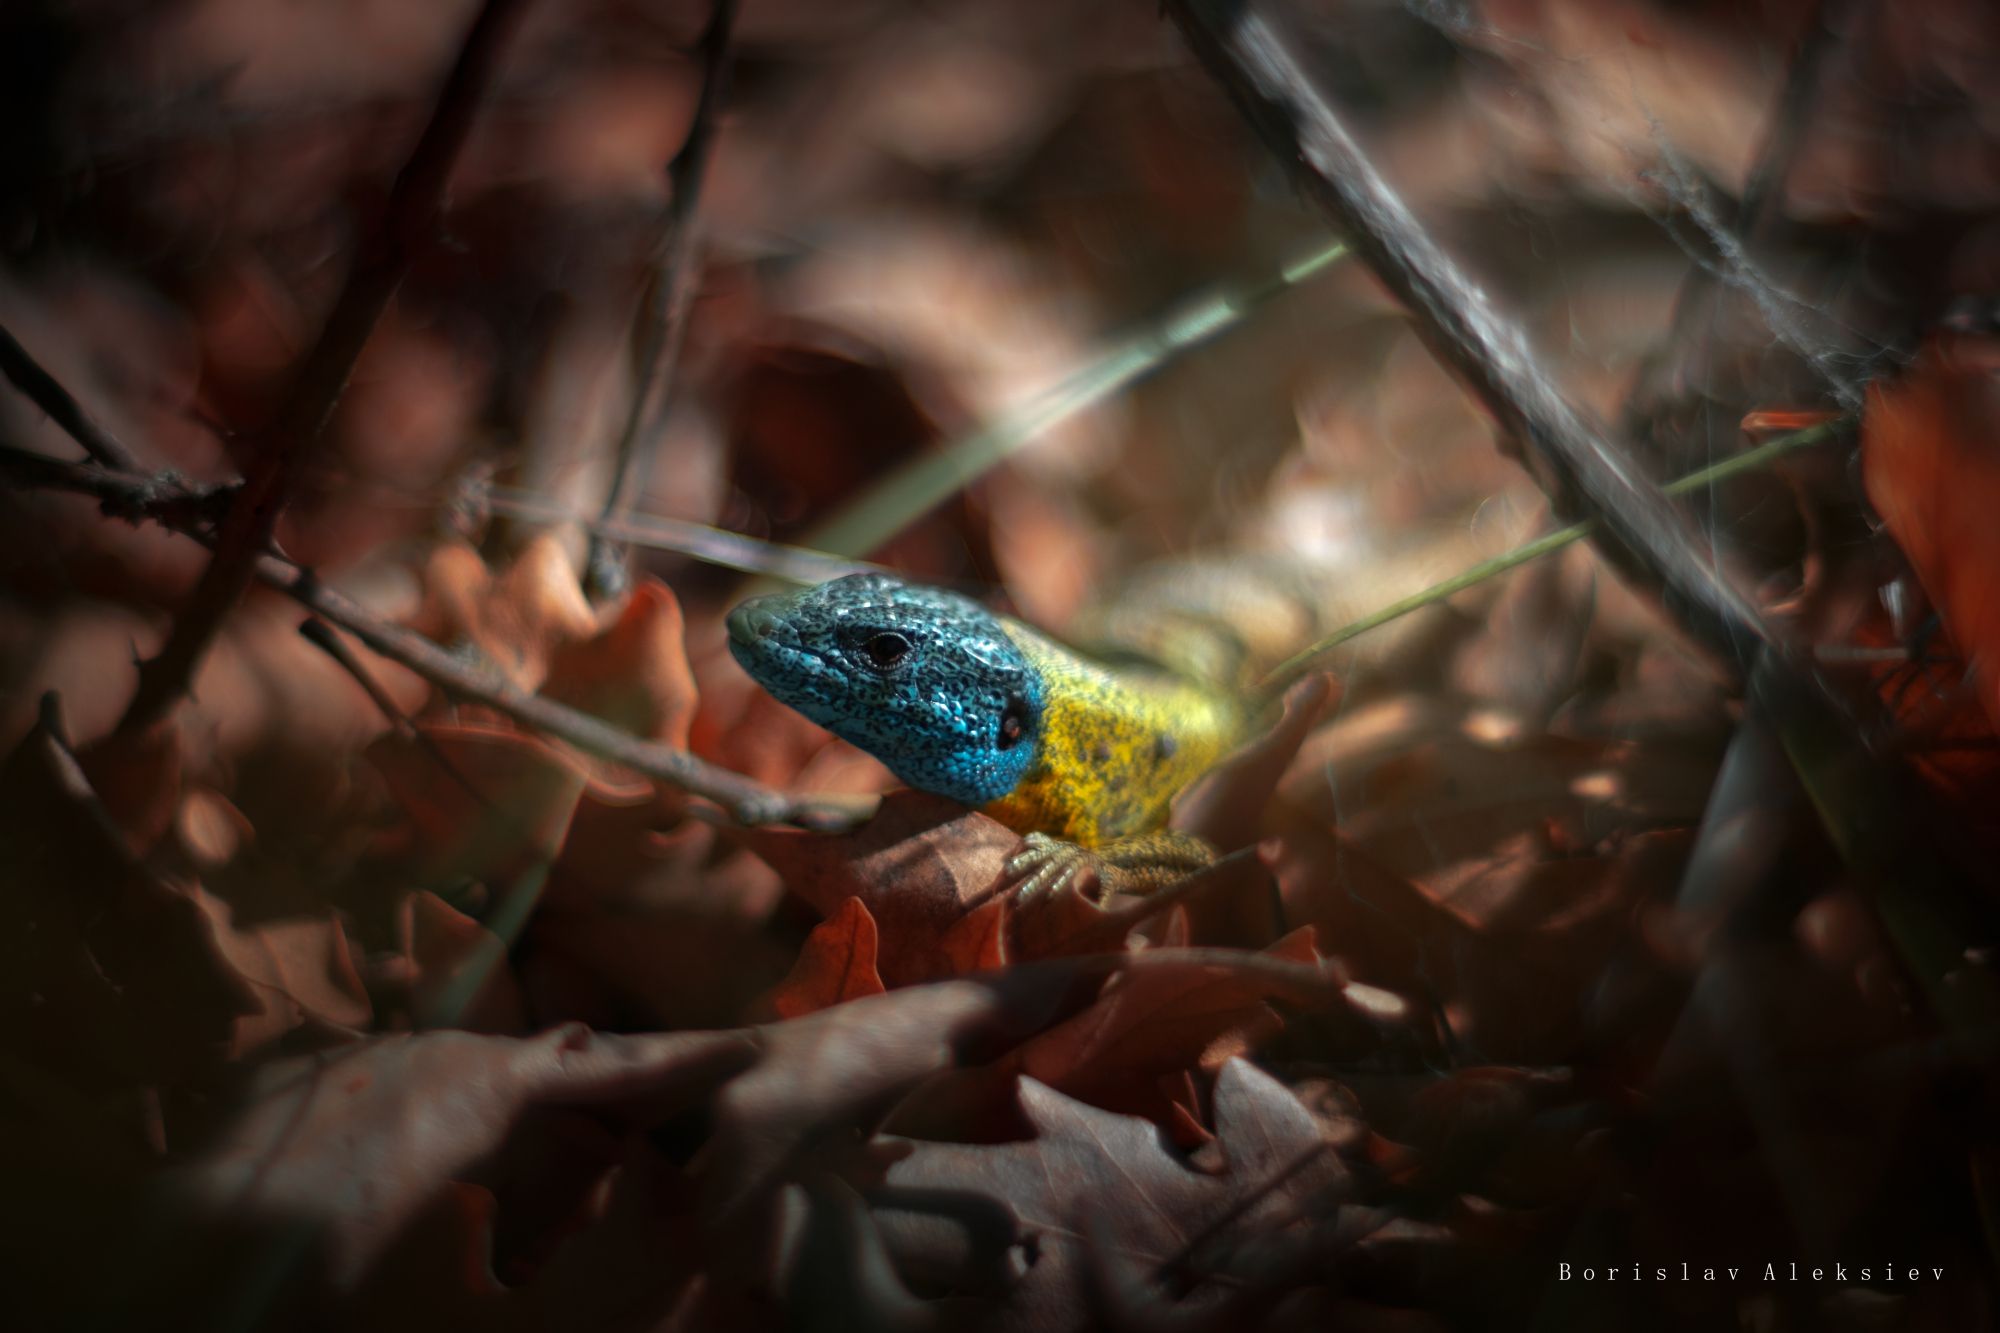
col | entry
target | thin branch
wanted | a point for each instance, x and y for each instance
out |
(1570, 454)
(710, 545)
(166, 498)
(325, 638)
(670, 289)
(41, 388)
(416, 202)
(746, 801)
(743, 799)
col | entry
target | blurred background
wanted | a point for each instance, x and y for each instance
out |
(915, 217)
(914, 221)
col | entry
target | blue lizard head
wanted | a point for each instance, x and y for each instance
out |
(927, 681)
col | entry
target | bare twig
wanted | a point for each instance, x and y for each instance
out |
(670, 289)
(741, 798)
(324, 637)
(162, 497)
(416, 202)
(710, 545)
(1584, 474)
(746, 801)
(41, 388)
(327, 639)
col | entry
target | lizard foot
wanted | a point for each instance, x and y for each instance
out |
(1046, 866)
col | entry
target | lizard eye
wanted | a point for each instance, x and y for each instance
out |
(886, 649)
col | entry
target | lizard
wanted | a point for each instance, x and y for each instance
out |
(1082, 748)
(1079, 755)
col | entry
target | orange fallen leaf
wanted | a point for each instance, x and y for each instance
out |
(518, 618)
(463, 977)
(836, 964)
(921, 866)
(478, 802)
(300, 970)
(634, 673)
(1928, 463)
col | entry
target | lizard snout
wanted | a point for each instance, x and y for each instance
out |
(755, 622)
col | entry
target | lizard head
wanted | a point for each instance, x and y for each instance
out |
(927, 681)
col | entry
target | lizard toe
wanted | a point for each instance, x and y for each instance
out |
(1046, 866)
(1037, 850)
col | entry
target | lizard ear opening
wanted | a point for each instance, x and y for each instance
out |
(1015, 721)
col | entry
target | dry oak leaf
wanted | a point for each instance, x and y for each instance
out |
(1028, 1215)
(741, 727)
(1421, 790)
(138, 778)
(462, 976)
(639, 967)
(517, 619)
(633, 674)
(1164, 1014)
(1381, 924)
(299, 968)
(1527, 986)
(829, 1075)
(108, 976)
(1153, 1022)
(480, 803)
(837, 964)
(927, 869)
(1227, 805)
(347, 1148)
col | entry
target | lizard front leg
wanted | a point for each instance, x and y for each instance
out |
(1134, 865)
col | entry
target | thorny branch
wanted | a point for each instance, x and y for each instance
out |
(670, 289)
(40, 388)
(134, 496)
(1571, 455)
(163, 497)
(325, 638)
(416, 202)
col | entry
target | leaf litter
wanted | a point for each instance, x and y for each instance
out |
(331, 1005)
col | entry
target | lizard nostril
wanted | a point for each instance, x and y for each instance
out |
(753, 622)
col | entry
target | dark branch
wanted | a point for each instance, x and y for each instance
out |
(670, 289)
(416, 202)
(327, 639)
(1569, 454)
(744, 800)
(41, 388)
(163, 497)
